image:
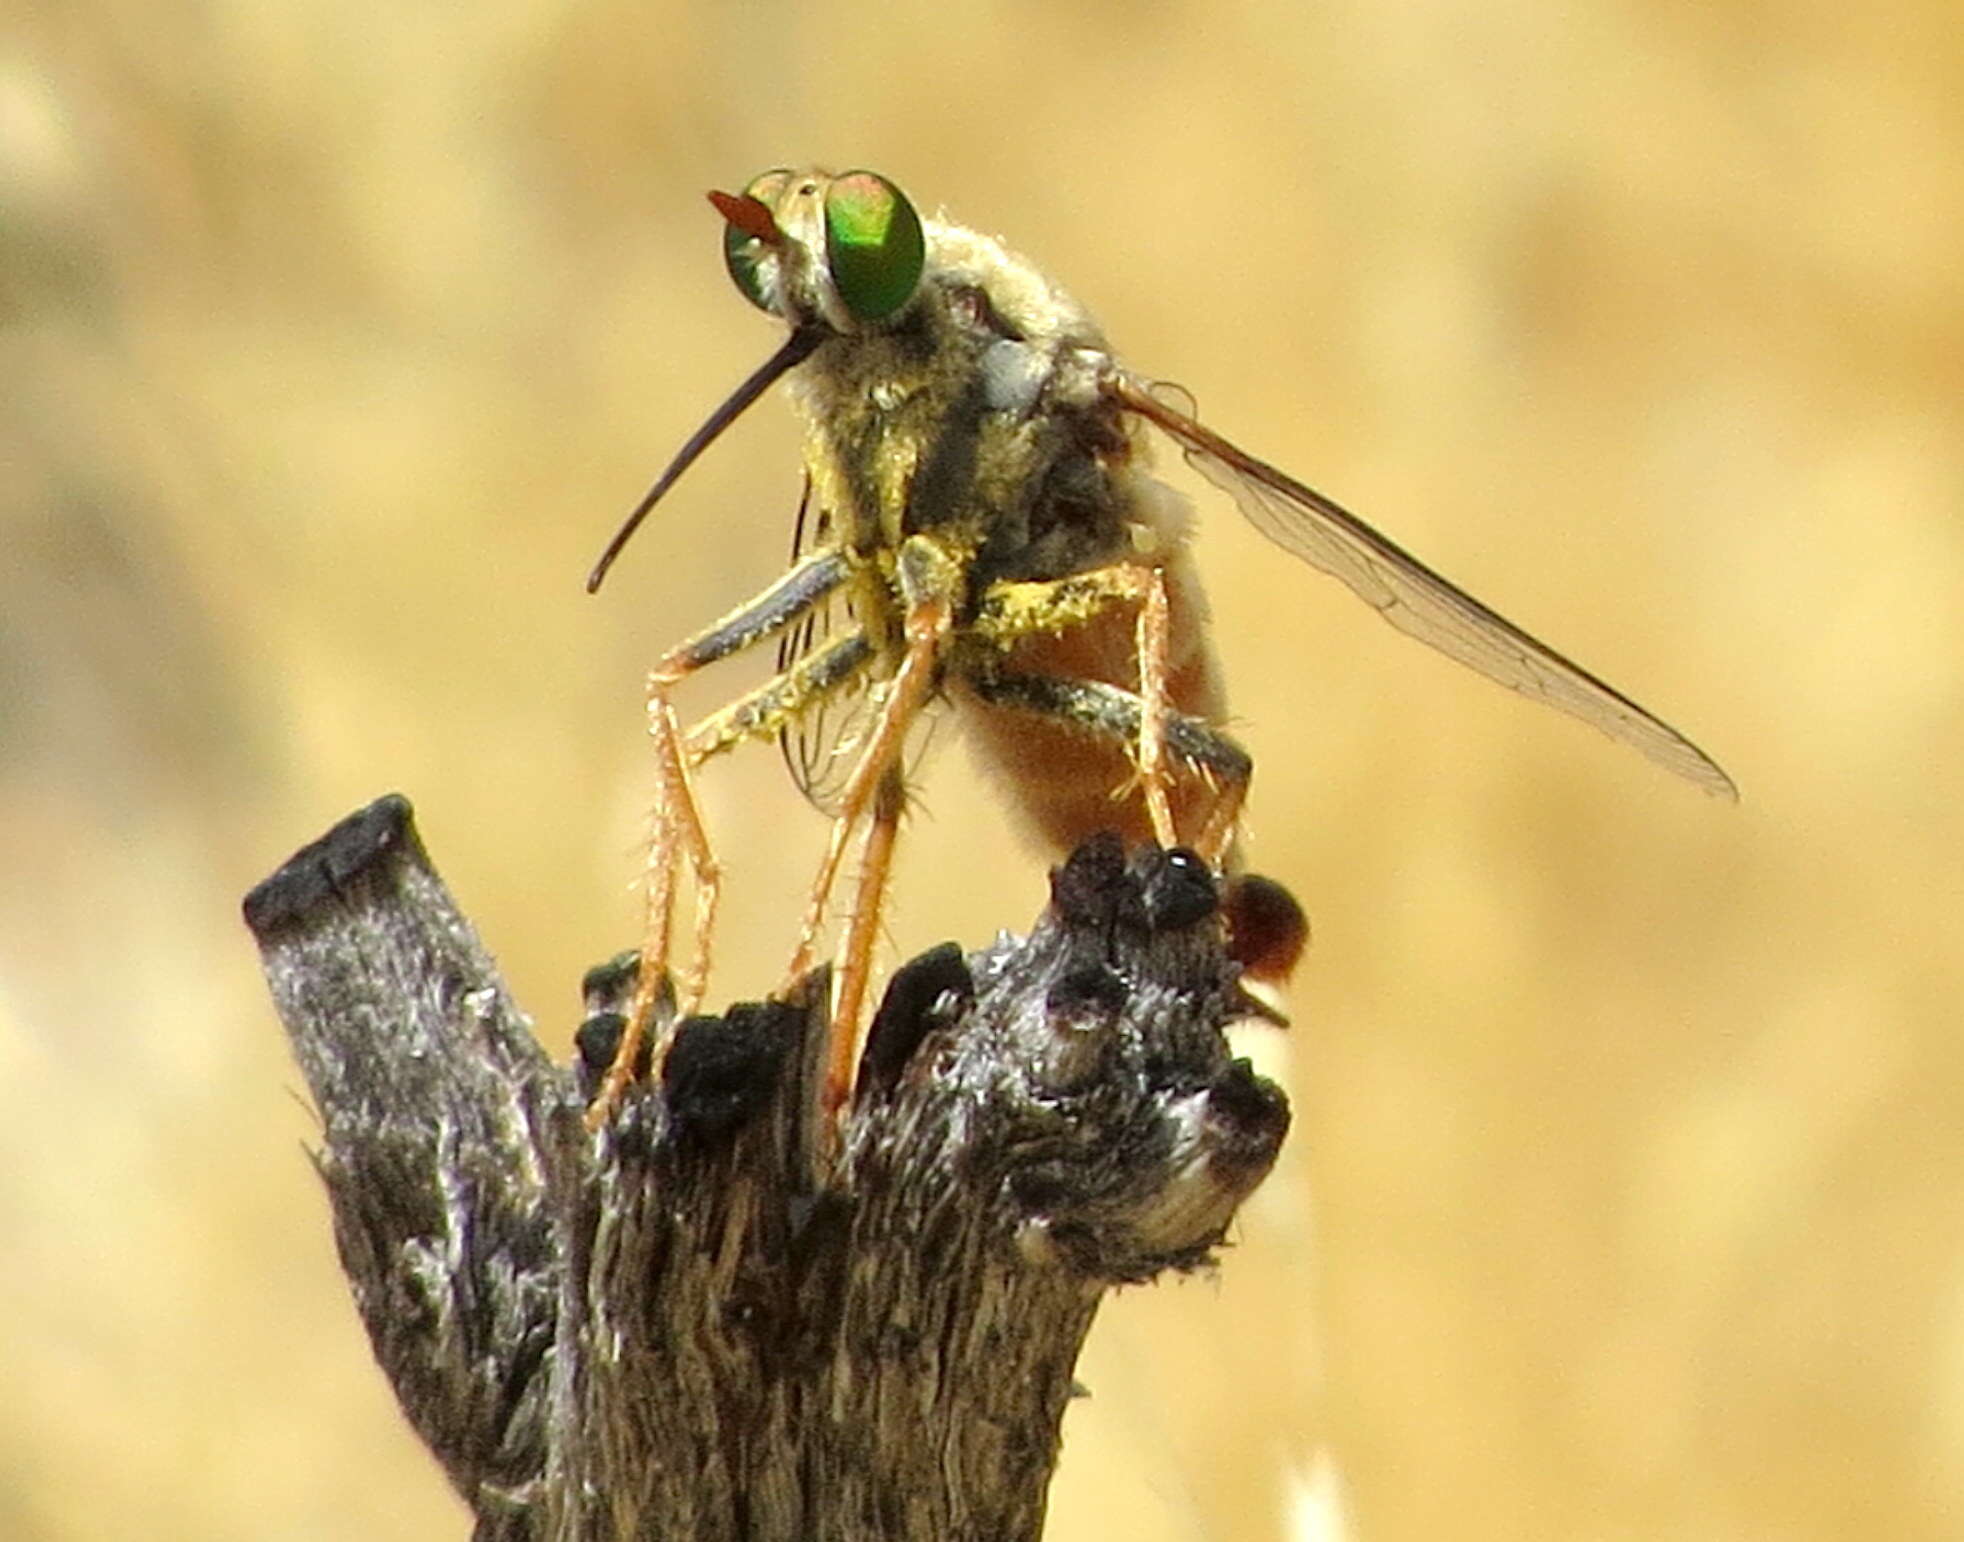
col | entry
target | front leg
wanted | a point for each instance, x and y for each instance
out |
(929, 577)
(679, 834)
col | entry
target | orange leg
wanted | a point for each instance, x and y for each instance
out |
(861, 935)
(1217, 835)
(930, 578)
(1014, 611)
(681, 836)
(1154, 629)
(1190, 746)
(927, 624)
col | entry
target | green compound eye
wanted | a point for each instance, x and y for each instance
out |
(873, 244)
(743, 253)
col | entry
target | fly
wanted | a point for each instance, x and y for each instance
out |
(979, 526)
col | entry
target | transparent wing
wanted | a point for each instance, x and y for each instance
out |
(1409, 594)
(818, 747)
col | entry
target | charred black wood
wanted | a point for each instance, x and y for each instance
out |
(706, 1321)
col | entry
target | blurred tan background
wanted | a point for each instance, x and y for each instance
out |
(1624, 1198)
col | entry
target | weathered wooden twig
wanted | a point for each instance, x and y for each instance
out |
(683, 1328)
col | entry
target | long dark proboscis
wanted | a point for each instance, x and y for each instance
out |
(797, 348)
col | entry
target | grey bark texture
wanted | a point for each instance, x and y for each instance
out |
(714, 1320)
